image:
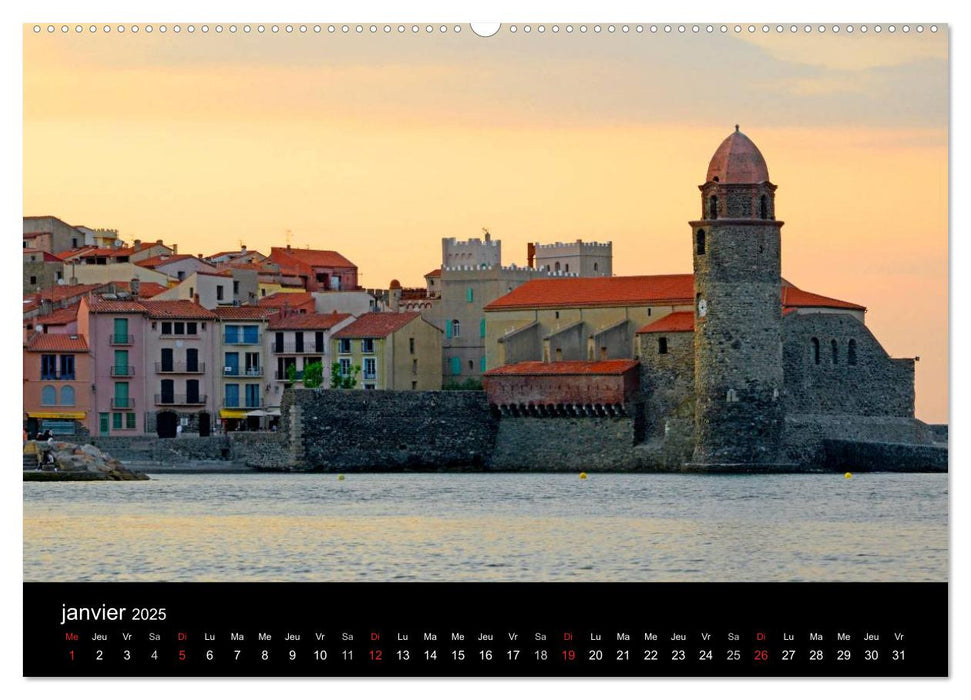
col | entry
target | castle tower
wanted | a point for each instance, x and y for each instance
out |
(736, 248)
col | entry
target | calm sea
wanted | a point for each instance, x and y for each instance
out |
(489, 527)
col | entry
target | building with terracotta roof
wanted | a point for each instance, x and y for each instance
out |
(242, 379)
(294, 341)
(231, 287)
(289, 302)
(41, 269)
(57, 384)
(739, 368)
(320, 270)
(400, 351)
(152, 368)
(50, 234)
(176, 266)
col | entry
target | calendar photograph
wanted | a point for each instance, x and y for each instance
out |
(373, 304)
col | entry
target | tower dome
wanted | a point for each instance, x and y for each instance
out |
(737, 161)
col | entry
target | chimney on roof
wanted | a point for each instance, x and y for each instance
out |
(530, 254)
(288, 246)
(137, 245)
(46, 307)
(175, 249)
(243, 248)
(136, 287)
(195, 298)
(158, 241)
(73, 281)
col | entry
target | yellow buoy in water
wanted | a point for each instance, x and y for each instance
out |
(583, 475)
(847, 475)
(340, 477)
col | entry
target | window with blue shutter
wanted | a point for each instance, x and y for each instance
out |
(456, 365)
(468, 294)
(482, 328)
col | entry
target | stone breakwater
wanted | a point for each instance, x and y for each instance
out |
(65, 461)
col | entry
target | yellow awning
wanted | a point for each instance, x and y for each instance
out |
(231, 413)
(66, 415)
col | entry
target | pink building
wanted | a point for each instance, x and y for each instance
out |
(116, 335)
(153, 363)
(57, 384)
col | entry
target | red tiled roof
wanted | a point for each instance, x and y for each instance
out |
(573, 292)
(572, 367)
(177, 308)
(48, 257)
(60, 317)
(59, 292)
(793, 296)
(106, 252)
(437, 272)
(117, 306)
(677, 322)
(146, 290)
(377, 325)
(157, 260)
(243, 313)
(278, 300)
(57, 342)
(314, 258)
(318, 322)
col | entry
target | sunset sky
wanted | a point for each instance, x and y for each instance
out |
(380, 145)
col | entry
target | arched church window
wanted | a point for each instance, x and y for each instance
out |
(595, 267)
(836, 351)
(713, 207)
(700, 242)
(764, 207)
(851, 352)
(815, 344)
(556, 267)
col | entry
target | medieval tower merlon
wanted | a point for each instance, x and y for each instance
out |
(736, 248)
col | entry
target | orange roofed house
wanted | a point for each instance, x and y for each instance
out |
(57, 384)
(399, 351)
(320, 270)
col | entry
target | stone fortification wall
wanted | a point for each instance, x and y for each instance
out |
(805, 433)
(566, 444)
(340, 430)
(858, 378)
(884, 456)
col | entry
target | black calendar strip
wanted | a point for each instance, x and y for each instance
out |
(513, 629)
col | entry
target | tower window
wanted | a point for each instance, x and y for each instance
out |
(713, 207)
(700, 242)
(851, 352)
(764, 207)
(595, 267)
(556, 267)
(815, 344)
(662, 346)
(836, 351)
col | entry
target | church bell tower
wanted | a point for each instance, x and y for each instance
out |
(736, 248)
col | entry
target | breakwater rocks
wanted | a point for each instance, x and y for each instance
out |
(65, 461)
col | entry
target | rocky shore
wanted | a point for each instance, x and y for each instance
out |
(65, 461)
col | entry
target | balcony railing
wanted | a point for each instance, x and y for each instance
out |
(248, 405)
(291, 348)
(243, 340)
(126, 371)
(121, 339)
(284, 377)
(123, 404)
(370, 375)
(180, 368)
(179, 400)
(242, 371)
(54, 376)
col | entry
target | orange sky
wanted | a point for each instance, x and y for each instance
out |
(379, 146)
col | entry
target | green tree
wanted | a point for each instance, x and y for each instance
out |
(338, 380)
(313, 375)
(291, 373)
